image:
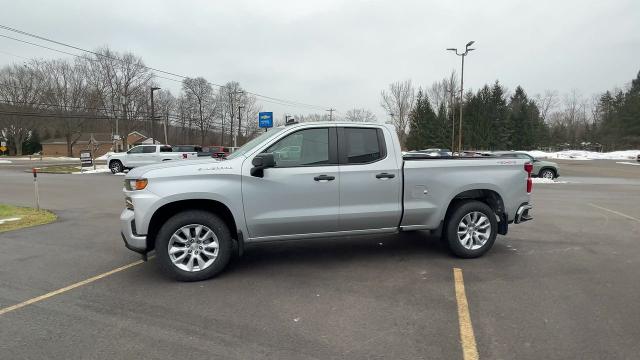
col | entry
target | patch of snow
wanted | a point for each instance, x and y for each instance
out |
(2, 221)
(539, 180)
(628, 163)
(585, 155)
(105, 156)
(99, 169)
(5, 162)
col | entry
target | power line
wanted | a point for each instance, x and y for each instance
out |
(273, 99)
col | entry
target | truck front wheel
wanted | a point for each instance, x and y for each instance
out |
(193, 245)
(471, 229)
(116, 166)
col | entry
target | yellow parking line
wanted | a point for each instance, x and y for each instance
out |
(467, 339)
(615, 212)
(67, 288)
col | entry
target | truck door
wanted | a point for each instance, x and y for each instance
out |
(134, 157)
(300, 194)
(370, 179)
(149, 154)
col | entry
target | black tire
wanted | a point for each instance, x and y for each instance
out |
(116, 166)
(185, 218)
(548, 172)
(451, 228)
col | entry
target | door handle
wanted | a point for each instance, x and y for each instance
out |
(385, 176)
(324, 178)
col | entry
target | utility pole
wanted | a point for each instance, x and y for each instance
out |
(331, 110)
(153, 116)
(239, 126)
(166, 121)
(463, 55)
(123, 99)
(231, 108)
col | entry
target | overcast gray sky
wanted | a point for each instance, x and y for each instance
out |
(343, 53)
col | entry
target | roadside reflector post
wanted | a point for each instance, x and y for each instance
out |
(35, 185)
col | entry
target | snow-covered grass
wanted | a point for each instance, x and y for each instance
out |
(48, 158)
(538, 180)
(99, 169)
(585, 155)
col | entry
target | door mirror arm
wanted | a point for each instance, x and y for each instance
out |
(261, 162)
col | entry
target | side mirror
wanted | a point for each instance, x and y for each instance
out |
(261, 162)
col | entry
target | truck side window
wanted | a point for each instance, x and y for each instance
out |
(135, 150)
(302, 148)
(148, 149)
(166, 149)
(362, 145)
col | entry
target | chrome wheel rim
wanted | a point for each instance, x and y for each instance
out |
(474, 230)
(547, 174)
(193, 247)
(115, 167)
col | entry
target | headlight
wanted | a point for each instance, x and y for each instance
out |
(135, 184)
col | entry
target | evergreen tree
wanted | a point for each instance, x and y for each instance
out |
(422, 126)
(499, 121)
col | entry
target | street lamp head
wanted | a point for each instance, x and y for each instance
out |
(470, 49)
(155, 88)
(470, 43)
(452, 49)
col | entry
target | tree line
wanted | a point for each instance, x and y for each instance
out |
(109, 92)
(495, 118)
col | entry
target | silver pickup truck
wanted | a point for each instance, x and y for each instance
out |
(317, 180)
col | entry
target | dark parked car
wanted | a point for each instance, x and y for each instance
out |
(215, 151)
(187, 148)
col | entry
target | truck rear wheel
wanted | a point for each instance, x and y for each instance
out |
(471, 229)
(193, 245)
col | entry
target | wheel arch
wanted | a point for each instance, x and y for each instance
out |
(490, 197)
(167, 210)
(555, 172)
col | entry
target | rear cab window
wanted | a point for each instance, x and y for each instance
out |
(361, 145)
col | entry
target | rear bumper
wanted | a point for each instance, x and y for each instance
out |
(132, 241)
(523, 214)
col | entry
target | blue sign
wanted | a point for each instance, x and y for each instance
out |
(265, 119)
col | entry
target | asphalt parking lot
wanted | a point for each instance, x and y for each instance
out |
(562, 286)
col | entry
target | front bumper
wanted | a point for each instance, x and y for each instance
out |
(132, 241)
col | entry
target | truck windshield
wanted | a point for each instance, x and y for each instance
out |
(253, 143)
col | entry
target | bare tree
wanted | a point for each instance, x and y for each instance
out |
(398, 101)
(164, 104)
(68, 93)
(360, 115)
(21, 88)
(122, 81)
(547, 103)
(199, 95)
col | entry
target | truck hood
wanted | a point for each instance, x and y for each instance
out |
(186, 167)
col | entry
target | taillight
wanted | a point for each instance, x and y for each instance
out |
(528, 167)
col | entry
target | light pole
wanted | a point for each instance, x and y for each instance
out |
(153, 116)
(466, 51)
